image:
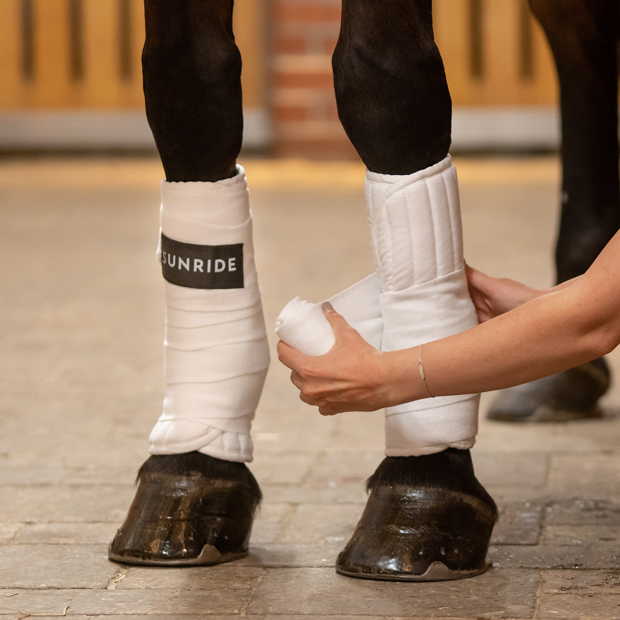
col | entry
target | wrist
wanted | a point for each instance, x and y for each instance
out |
(401, 377)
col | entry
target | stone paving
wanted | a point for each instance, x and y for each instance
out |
(81, 378)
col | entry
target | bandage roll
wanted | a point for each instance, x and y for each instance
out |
(216, 353)
(303, 325)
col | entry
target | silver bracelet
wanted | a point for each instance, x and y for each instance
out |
(421, 371)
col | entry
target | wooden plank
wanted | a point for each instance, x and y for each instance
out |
(10, 55)
(134, 96)
(101, 84)
(249, 22)
(546, 90)
(452, 38)
(51, 87)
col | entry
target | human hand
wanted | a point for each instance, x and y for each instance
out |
(494, 296)
(351, 376)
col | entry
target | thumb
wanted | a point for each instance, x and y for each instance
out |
(337, 321)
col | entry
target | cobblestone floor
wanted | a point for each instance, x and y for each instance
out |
(81, 386)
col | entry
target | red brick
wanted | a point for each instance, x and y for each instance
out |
(291, 113)
(306, 14)
(304, 80)
(316, 149)
(289, 45)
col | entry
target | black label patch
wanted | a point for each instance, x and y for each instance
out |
(202, 266)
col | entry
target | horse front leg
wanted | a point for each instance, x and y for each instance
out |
(196, 498)
(583, 38)
(427, 517)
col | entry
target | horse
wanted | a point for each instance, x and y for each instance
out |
(427, 516)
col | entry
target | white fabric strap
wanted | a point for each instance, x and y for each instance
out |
(216, 353)
(416, 233)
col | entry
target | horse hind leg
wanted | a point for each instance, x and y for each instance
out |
(583, 37)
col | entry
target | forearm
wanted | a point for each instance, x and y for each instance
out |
(546, 335)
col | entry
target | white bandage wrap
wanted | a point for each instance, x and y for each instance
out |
(303, 325)
(415, 225)
(216, 353)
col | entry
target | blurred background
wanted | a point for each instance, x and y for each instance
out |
(70, 76)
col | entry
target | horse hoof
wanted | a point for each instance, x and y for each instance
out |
(190, 509)
(427, 519)
(569, 395)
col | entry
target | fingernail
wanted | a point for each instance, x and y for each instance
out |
(327, 307)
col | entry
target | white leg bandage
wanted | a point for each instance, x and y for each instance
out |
(216, 353)
(416, 235)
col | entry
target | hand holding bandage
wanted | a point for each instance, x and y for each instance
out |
(351, 376)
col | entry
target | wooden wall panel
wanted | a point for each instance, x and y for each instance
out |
(11, 81)
(101, 81)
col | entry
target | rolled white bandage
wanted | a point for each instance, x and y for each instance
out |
(303, 325)
(216, 353)
(416, 235)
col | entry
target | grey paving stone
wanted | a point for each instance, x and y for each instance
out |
(580, 534)
(66, 533)
(8, 531)
(605, 607)
(225, 576)
(270, 518)
(518, 524)
(106, 473)
(583, 512)
(359, 432)
(497, 594)
(20, 503)
(164, 602)
(329, 493)
(580, 582)
(513, 469)
(588, 558)
(278, 555)
(523, 494)
(587, 476)
(55, 566)
(335, 468)
(24, 602)
(283, 467)
(321, 523)
(40, 474)
(75, 503)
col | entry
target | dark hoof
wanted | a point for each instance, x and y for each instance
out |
(569, 395)
(427, 519)
(189, 509)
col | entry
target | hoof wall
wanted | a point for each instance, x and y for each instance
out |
(563, 397)
(437, 571)
(427, 519)
(189, 510)
(209, 556)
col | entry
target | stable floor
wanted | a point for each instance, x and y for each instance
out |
(81, 386)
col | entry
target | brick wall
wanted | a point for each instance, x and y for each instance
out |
(304, 116)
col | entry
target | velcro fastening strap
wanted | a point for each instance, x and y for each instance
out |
(202, 266)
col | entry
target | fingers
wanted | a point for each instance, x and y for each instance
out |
(339, 324)
(290, 357)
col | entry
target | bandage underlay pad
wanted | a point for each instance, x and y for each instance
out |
(215, 352)
(418, 294)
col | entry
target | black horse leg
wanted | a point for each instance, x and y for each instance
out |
(583, 37)
(191, 508)
(427, 517)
